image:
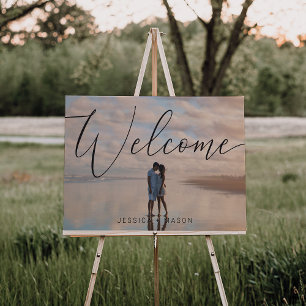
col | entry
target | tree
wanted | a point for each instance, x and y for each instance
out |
(267, 93)
(91, 68)
(58, 20)
(65, 19)
(212, 71)
(15, 11)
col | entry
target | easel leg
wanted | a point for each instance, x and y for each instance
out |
(156, 273)
(94, 271)
(154, 61)
(215, 265)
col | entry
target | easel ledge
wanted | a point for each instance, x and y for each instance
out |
(148, 233)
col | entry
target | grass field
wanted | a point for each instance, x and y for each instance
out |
(265, 267)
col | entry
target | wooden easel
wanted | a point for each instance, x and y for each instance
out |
(154, 41)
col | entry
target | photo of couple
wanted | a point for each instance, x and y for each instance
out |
(142, 164)
(156, 188)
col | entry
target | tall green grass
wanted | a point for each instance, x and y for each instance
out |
(265, 267)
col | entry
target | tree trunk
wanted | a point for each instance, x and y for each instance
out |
(212, 74)
(211, 49)
(181, 57)
(235, 40)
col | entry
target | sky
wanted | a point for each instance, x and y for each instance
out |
(280, 19)
(193, 119)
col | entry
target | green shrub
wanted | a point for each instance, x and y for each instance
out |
(289, 177)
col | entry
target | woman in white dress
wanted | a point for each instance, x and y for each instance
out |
(161, 191)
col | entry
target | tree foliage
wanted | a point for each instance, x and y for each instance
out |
(14, 10)
(11, 11)
(35, 79)
(65, 19)
(57, 21)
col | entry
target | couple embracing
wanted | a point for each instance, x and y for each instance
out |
(156, 188)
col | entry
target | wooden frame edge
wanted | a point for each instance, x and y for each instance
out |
(89, 233)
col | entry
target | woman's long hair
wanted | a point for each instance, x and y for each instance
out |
(162, 170)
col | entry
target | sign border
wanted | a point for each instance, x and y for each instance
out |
(97, 233)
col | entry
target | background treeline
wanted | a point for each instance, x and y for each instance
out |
(35, 77)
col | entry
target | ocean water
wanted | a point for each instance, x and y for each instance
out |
(122, 204)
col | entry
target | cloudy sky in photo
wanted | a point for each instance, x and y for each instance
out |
(193, 118)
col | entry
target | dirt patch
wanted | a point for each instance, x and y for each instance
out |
(274, 127)
(32, 126)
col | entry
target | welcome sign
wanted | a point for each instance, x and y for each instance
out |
(134, 165)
